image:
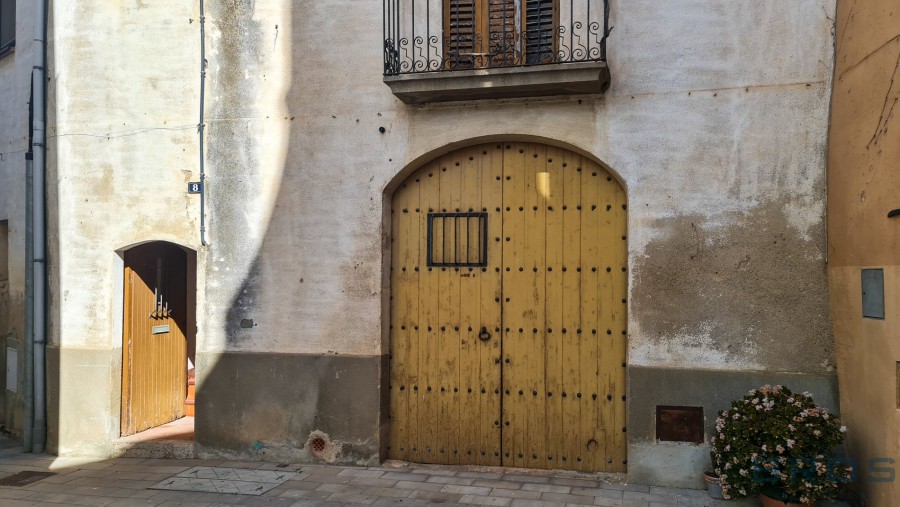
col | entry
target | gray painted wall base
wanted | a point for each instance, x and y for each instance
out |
(682, 464)
(269, 407)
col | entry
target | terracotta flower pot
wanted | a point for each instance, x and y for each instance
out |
(767, 501)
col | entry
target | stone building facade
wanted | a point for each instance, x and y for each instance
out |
(713, 122)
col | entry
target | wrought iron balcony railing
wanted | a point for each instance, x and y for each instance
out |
(448, 35)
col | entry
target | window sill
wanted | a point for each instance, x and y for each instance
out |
(509, 82)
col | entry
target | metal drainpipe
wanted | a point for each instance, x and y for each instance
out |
(202, 127)
(39, 427)
(27, 393)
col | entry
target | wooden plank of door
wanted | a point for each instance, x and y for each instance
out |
(606, 355)
(127, 334)
(572, 303)
(555, 314)
(620, 290)
(470, 315)
(516, 301)
(430, 294)
(591, 335)
(534, 274)
(451, 312)
(418, 355)
(400, 289)
(491, 311)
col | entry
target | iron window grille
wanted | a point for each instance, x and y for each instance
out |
(457, 239)
(447, 35)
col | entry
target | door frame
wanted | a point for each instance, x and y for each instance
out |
(387, 236)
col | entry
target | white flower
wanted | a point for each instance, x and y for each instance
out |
(790, 443)
(843, 429)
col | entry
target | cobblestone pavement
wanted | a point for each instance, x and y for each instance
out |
(125, 482)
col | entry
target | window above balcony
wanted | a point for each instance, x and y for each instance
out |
(449, 50)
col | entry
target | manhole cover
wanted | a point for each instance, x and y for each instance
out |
(235, 481)
(24, 478)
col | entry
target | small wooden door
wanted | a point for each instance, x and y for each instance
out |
(508, 313)
(154, 351)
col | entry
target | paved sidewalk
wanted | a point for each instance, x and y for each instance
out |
(125, 482)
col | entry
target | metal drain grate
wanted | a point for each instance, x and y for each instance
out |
(318, 446)
(235, 481)
(24, 478)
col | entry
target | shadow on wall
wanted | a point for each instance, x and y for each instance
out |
(260, 398)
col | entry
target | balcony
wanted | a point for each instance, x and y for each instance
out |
(450, 50)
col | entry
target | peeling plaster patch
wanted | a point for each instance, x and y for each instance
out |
(699, 350)
(746, 295)
(805, 215)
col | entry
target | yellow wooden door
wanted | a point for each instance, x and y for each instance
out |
(546, 388)
(445, 370)
(154, 349)
(564, 312)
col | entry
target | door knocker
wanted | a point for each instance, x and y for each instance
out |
(484, 335)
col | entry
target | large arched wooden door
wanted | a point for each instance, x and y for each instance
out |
(508, 311)
(154, 348)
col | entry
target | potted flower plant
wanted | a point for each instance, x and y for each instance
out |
(778, 444)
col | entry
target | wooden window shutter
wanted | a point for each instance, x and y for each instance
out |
(462, 32)
(497, 33)
(504, 32)
(541, 20)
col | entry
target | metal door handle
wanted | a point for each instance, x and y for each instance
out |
(484, 335)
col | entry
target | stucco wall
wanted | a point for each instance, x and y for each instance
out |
(864, 185)
(716, 122)
(15, 92)
(716, 118)
(122, 146)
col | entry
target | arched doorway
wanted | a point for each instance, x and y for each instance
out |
(157, 342)
(508, 311)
